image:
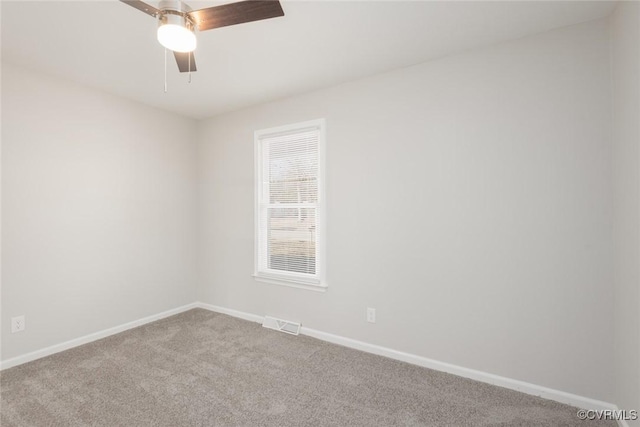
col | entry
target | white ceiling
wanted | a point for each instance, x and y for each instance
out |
(111, 46)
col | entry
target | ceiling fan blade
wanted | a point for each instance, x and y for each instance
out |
(182, 58)
(142, 6)
(236, 13)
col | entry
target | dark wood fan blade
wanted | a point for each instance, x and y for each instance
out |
(142, 6)
(182, 58)
(236, 13)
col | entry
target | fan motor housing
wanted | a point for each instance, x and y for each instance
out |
(175, 5)
(175, 12)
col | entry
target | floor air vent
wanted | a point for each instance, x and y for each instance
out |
(292, 328)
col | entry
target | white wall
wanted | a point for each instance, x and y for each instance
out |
(625, 23)
(469, 202)
(487, 177)
(98, 212)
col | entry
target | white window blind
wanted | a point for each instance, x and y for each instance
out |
(288, 203)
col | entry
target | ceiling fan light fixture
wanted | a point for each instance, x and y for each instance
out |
(176, 37)
(177, 22)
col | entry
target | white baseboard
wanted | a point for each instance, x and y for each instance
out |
(485, 377)
(235, 313)
(521, 386)
(19, 360)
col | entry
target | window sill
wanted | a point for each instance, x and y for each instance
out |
(291, 283)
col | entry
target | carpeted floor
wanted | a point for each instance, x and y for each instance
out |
(205, 369)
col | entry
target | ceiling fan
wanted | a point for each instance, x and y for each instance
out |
(177, 22)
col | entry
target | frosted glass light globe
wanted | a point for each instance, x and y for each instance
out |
(177, 38)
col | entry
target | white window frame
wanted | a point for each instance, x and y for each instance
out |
(317, 283)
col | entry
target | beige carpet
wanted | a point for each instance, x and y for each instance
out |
(205, 369)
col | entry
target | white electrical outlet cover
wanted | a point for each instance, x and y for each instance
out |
(371, 315)
(17, 324)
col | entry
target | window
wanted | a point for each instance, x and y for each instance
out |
(290, 205)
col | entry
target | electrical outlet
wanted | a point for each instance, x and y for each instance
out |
(371, 315)
(17, 324)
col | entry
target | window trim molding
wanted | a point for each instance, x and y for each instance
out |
(319, 284)
(290, 283)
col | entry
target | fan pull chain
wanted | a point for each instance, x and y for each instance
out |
(189, 67)
(165, 70)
